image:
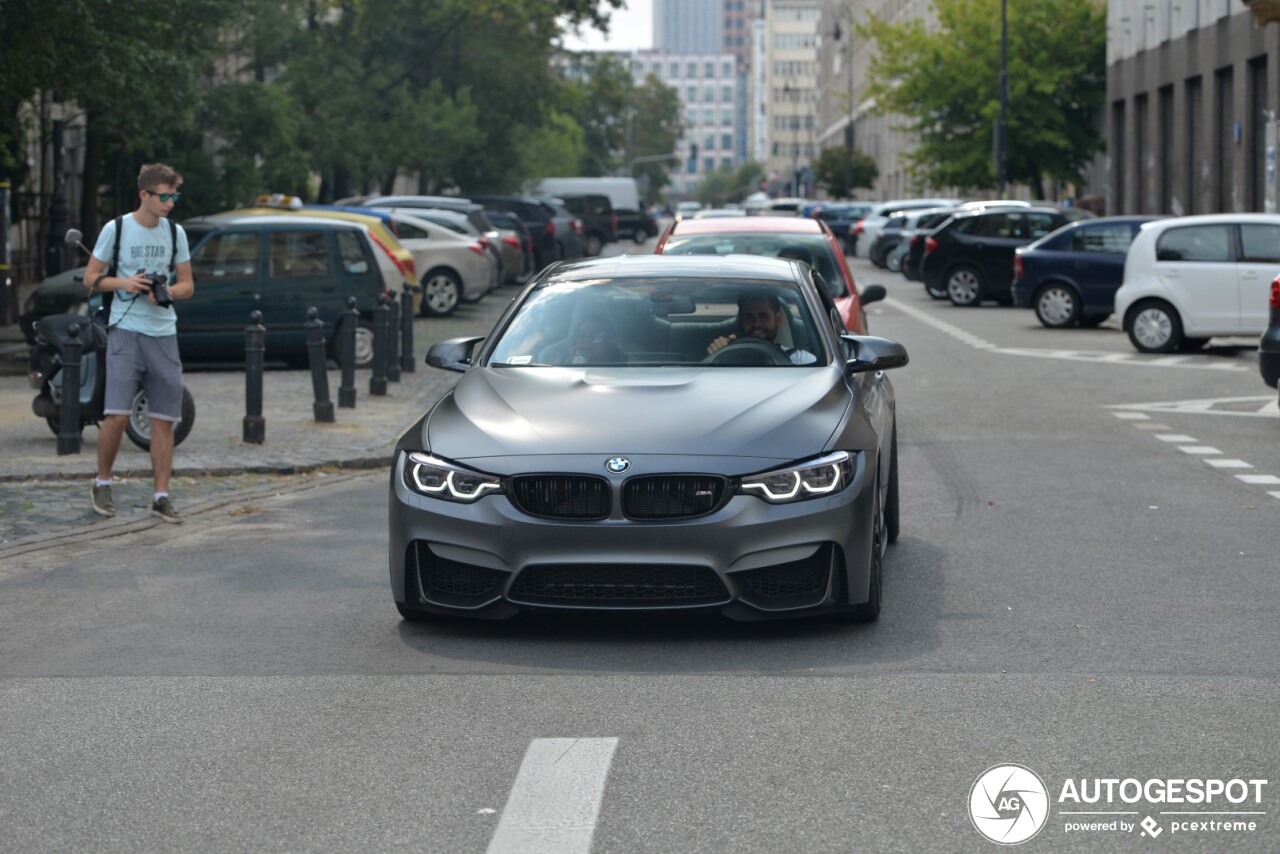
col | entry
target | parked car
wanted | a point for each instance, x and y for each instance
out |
(687, 209)
(719, 213)
(455, 268)
(537, 218)
(796, 237)
(840, 217)
(1070, 276)
(784, 206)
(599, 222)
(1269, 345)
(639, 225)
(473, 212)
(887, 240)
(280, 264)
(863, 232)
(516, 246)
(647, 474)
(911, 246)
(1187, 279)
(970, 256)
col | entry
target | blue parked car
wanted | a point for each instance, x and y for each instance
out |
(1070, 277)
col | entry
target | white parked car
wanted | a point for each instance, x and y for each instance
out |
(864, 232)
(452, 268)
(1187, 279)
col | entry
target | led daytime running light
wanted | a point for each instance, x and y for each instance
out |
(446, 479)
(820, 477)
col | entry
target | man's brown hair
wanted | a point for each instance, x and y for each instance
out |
(155, 174)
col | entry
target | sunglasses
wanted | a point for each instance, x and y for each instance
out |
(166, 197)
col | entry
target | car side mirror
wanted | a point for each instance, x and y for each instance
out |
(872, 293)
(453, 354)
(873, 354)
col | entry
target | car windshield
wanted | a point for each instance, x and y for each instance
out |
(814, 249)
(650, 322)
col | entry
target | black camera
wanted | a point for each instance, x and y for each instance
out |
(160, 289)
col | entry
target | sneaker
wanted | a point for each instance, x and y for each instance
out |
(103, 505)
(163, 509)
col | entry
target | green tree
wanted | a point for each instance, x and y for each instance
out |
(841, 174)
(945, 81)
(657, 126)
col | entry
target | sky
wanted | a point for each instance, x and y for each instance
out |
(629, 28)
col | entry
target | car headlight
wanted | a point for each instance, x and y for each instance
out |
(431, 476)
(824, 476)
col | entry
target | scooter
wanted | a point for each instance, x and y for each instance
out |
(52, 333)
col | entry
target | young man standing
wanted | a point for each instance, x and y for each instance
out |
(142, 345)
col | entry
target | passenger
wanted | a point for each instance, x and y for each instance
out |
(594, 343)
(760, 314)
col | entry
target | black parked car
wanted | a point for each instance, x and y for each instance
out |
(926, 222)
(970, 257)
(887, 240)
(538, 218)
(841, 216)
(1071, 276)
(638, 225)
(599, 223)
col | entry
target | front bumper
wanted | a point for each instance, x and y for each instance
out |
(749, 559)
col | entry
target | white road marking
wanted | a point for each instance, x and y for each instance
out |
(555, 801)
(1229, 464)
(1202, 450)
(1246, 407)
(1260, 479)
(1131, 416)
(1274, 494)
(1152, 425)
(1097, 357)
(1175, 437)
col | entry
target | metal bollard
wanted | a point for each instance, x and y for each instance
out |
(347, 355)
(393, 340)
(378, 382)
(69, 410)
(255, 338)
(406, 328)
(323, 407)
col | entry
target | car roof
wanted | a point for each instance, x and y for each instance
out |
(754, 224)
(731, 267)
(283, 218)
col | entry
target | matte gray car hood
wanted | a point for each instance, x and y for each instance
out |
(779, 414)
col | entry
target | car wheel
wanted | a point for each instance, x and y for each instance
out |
(964, 286)
(1154, 327)
(869, 611)
(1057, 306)
(640, 235)
(364, 344)
(894, 262)
(594, 245)
(891, 521)
(441, 292)
(138, 427)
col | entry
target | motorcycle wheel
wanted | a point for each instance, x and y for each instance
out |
(138, 427)
(55, 424)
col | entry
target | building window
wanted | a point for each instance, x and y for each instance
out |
(691, 70)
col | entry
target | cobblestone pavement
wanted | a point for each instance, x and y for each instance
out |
(45, 497)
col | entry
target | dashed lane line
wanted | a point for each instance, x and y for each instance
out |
(1096, 357)
(1191, 446)
(555, 801)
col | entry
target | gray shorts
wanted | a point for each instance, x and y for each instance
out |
(142, 362)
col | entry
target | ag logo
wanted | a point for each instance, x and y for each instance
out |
(1008, 804)
(618, 465)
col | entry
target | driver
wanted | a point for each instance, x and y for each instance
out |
(759, 316)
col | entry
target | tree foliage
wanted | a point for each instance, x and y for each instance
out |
(945, 81)
(841, 173)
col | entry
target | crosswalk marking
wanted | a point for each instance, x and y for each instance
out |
(1260, 479)
(555, 801)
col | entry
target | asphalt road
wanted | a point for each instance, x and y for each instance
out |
(1075, 590)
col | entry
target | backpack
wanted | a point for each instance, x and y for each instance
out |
(108, 296)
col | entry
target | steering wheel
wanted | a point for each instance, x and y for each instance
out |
(748, 351)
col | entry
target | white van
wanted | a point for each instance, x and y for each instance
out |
(622, 192)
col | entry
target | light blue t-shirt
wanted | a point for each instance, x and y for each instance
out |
(142, 250)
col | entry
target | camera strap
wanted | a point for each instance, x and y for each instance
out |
(113, 270)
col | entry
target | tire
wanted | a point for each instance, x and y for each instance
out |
(869, 611)
(964, 286)
(593, 245)
(1154, 327)
(138, 427)
(1057, 306)
(441, 293)
(893, 262)
(891, 516)
(364, 345)
(640, 235)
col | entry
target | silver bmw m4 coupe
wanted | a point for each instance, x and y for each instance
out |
(653, 433)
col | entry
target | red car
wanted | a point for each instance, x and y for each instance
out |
(805, 239)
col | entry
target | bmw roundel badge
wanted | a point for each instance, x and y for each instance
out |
(618, 465)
